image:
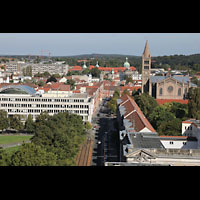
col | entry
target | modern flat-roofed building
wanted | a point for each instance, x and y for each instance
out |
(56, 68)
(23, 100)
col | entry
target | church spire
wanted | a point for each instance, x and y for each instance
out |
(146, 50)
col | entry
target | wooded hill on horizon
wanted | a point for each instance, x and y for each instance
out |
(180, 62)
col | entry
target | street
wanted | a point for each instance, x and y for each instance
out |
(104, 147)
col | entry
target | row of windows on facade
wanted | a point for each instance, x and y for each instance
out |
(171, 142)
(42, 100)
(49, 111)
(44, 106)
(179, 91)
(188, 128)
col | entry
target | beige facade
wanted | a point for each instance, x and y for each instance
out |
(170, 88)
(163, 87)
(172, 157)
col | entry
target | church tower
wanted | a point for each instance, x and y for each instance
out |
(146, 69)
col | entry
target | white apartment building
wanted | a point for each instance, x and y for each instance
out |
(56, 68)
(191, 128)
(51, 68)
(25, 101)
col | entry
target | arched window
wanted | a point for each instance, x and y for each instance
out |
(179, 92)
(161, 91)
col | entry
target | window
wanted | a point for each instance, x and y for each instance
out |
(171, 142)
(170, 89)
(161, 91)
(179, 92)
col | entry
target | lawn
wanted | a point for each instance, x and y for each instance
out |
(7, 139)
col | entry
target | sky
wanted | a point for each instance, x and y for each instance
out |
(68, 44)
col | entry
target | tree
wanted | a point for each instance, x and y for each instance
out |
(88, 125)
(15, 122)
(41, 83)
(33, 155)
(51, 79)
(136, 92)
(4, 158)
(126, 92)
(146, 103)
(194, 103)
(46, 74)
(116, 93)
(128, 79)
(71, 82)
(4, 122)
(172, 127)
(86, 71)
(159, 116)
(95, 72)
(29, 124)
(60, 134)
(112, 105)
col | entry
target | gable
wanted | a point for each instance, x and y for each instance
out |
(168, 80)
(139, 154)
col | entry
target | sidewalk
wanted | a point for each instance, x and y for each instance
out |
(4, 146)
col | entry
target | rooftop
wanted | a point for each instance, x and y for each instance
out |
(15, 89)
(132, 114)
(145, 141)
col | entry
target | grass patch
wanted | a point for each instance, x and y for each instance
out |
(7, 139)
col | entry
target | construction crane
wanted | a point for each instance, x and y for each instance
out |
(43, 51)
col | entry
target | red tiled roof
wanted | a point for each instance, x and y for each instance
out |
(162, 101)
(76, 91)
(91, 91)
(43, 88)
(170, 136)
(58, 86)
(140, 121)
(116, 69)
(187, 122)
(111, 87)
(130, 88)
(76, 68)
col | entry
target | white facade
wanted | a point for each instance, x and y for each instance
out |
(51, 68)
(191, 128)
(179, 144)
(25, 104)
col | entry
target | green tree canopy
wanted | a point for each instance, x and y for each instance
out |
(29, 124)
(51, 79)
(159, 116)
(95, 72)
(146, 103)
(4, 122)
(15, 122)
(194, 103)
(61, 134)
(71, 82)
(33, 155)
